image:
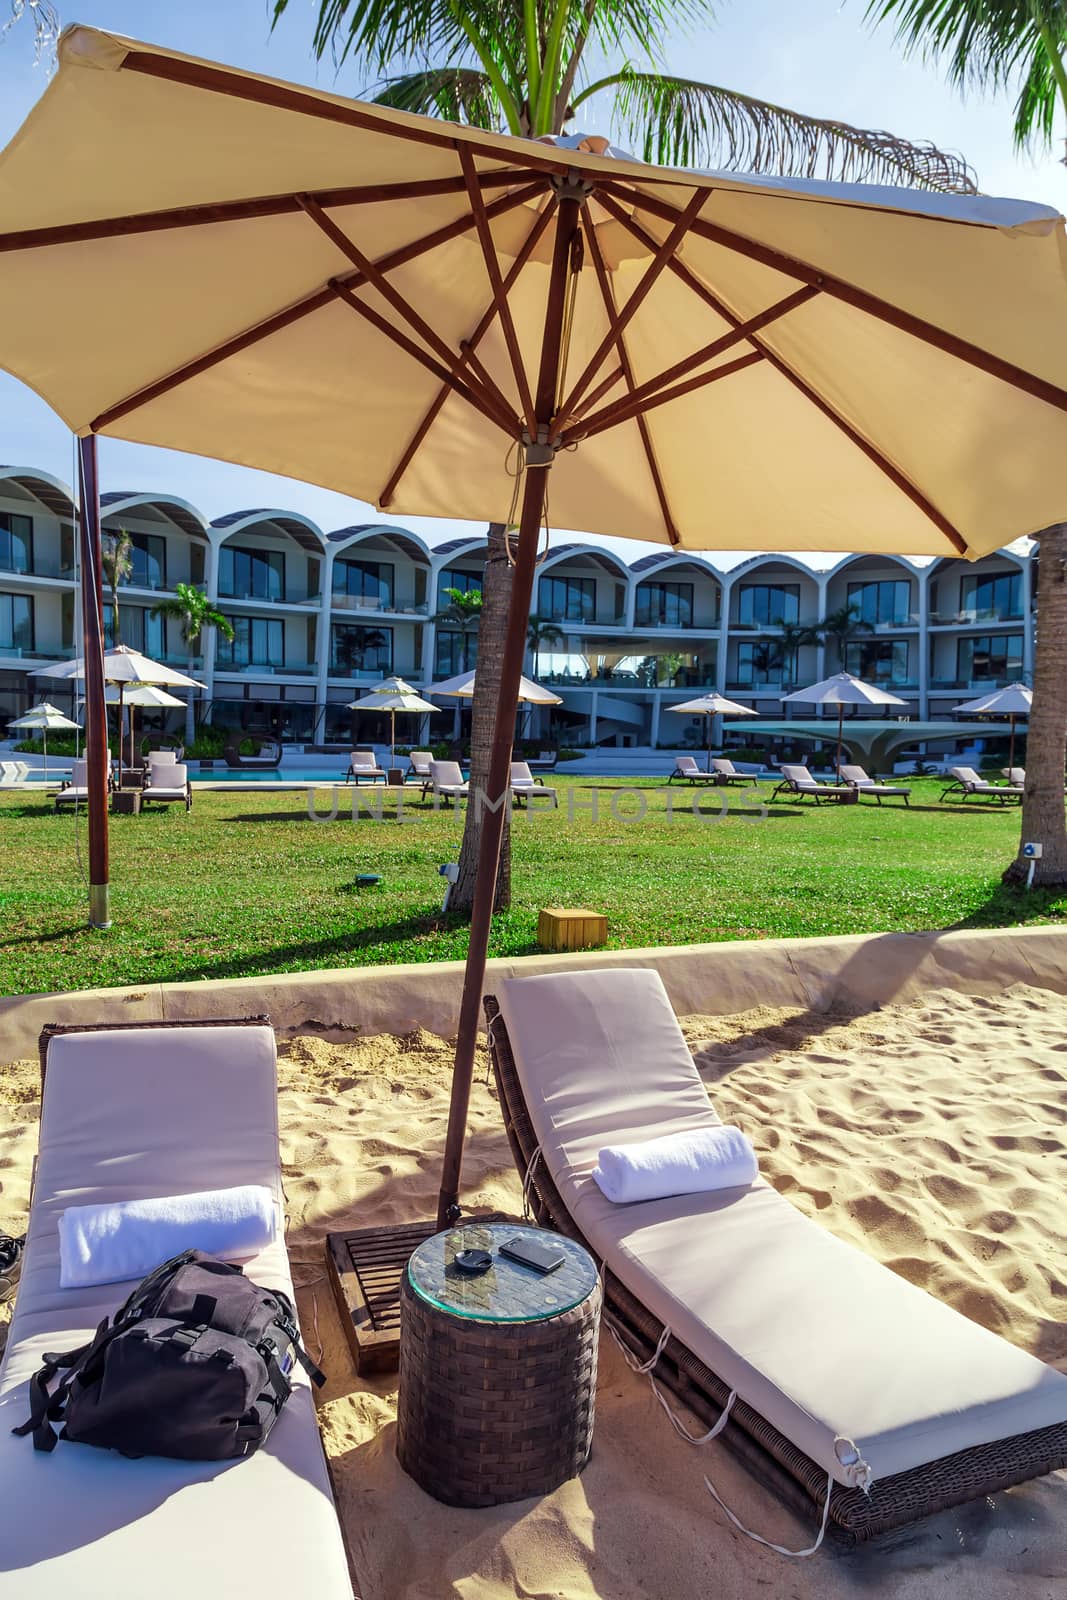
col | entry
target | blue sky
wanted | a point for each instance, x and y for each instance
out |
(812, 55)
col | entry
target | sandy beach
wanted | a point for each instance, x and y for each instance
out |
(934, 1136)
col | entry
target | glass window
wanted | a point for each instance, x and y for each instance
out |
(358, 649)
(882, 661)
(251, 574)
(997, 596)
(148, 561)
(16, 543)
(453, 578)
(16, 622)
(257, 642)
(768, 602)
(882, 600)
(138, 628)
(567, 599)
(364, 582)
(763, 661)
(664, 605)
(989, 657)
(455, 653)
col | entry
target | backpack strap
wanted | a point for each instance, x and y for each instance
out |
(46, 1407)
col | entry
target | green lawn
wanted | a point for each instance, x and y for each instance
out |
(248, 884)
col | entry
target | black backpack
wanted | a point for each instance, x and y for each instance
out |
(195, 1365)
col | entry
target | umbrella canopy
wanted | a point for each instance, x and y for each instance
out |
(392, 695)
(124, 666)
(478, 314)
(844, 690)
(713, 705)
(143, 694)
(1013, 701)
(44, 716)
(258, 240)
(529, 693)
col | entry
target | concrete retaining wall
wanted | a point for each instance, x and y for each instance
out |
(849, 974)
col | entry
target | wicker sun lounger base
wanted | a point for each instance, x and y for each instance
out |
(855, 1517)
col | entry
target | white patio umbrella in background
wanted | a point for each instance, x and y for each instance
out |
(1014, 700)
(529, 692)
(125, 668)
(844, 690)
(44, 716)
(713, 705)
(392, 695)
(251, 273)
(145, 695)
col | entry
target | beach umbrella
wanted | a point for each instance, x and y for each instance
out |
(44, 716)
(1014, 700)
(844, 690)
(528, 693)
(128, 669)
(392, 695)
(713, 705)
(145, 695)
(439, 319)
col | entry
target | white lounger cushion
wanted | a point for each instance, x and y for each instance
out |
(818, 1337)
(129, 1115)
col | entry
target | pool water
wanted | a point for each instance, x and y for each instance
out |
(300, 775)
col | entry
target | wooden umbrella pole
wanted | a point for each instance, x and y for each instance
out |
(538, 461)
(840, 730)
(93, 662)
(1011, 750)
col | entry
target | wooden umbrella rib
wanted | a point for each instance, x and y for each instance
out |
(662, 255)
(608, 297)
(898, 478)
(415, 443)
(838, 289)
(709, 352)
(496, 284)
(509, 425)
(641, 408)
(594, 395)
(274, 205)
(288, 97)
(302, 308)
(373, 274)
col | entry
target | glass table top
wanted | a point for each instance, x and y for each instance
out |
(508, 1291)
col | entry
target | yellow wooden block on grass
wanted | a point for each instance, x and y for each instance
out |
(558, 929)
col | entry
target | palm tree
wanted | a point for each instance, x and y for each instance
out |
(520, 66)
(116, 559)
(193, 611)
(463, 615)
(541, 631)
(841, 625)
(997, 43)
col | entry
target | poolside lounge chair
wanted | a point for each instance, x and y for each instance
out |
(446, 780)
(421, 761)
(800, 782)
(1016, 776)
(845, 1379)
(168, 785)
(75, 789)
(687, 771)
(725, 773)
(364, 764)
(858, 779)
(524, 785)
(966, 782)
(123, 1117)
(544, 761)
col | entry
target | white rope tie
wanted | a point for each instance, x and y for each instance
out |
(780, 1549)
(679, 1426)
(527, 1182)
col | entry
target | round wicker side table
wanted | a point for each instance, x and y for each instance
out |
(497, 1371)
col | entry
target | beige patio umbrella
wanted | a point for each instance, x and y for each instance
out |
(713, 705)
(440, 320)
(529, 693)
(1012, 701)
(392, 695)
(143, 695)
(842, 690)
(42, 717)
(124, 667)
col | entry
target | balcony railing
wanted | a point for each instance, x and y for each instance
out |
(40, 569)
(972, 614)
(355, 602)
(975, 686)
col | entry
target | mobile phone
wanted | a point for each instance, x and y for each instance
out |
(528, 1253)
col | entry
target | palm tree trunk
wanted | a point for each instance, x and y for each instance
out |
(492, 627)
(1043, 801)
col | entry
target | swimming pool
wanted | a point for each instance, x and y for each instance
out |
(296, 775)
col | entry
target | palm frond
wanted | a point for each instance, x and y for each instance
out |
(1035, 109)
(679, 122)
(459, 94)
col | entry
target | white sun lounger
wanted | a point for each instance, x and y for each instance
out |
(130, 1114)
(858, 779)
(524, 786)
(168, 785)
(446, 779)
(799, 781)
(843, 1376)
(966, 782)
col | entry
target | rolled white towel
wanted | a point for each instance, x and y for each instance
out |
(127, 1239)
(677, 1163)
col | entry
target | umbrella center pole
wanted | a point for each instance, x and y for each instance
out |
(540, 454)
(95, 707)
